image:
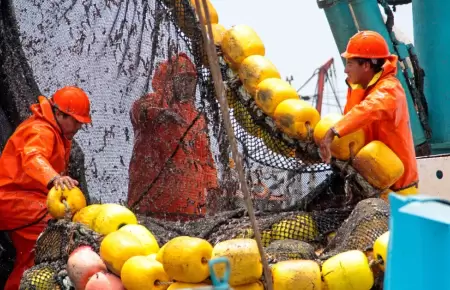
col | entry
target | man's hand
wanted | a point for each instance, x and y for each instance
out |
(325, 151)
(61, 182)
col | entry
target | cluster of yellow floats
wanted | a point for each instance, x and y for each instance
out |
(131, 258)
(244, 52)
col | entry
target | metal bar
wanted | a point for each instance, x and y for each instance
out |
(220, 95)
(353, 16)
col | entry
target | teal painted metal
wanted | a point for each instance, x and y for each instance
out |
(368, 16)
(418, 253)
(340, 20)
(220, 283)
(432, 42)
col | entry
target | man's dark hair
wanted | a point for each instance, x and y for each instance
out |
(375, 63)
(55, 109)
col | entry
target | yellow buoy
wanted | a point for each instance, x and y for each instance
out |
(185, 259)
(117, 247)
(214, 17)
(140, 272)
(340, 147)
(271, 92)
(58, 200)
(159, 255)
(252, 286)
(296, 118)
(218, 31)
(379, 165)
(245, 260)
(254, 69)
(87, 214)
(184, 286)
(296, 275)
(348, 270)
(112, 217)
(149, 243)
(380, 250)
(240, 42)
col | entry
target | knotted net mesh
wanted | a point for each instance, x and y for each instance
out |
(157, 142)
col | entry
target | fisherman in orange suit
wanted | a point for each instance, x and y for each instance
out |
(35, 159)
(376, 103)
(181, 174)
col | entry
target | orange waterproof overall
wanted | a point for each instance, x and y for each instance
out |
(181, 189)
(381, 111)
(34, 154)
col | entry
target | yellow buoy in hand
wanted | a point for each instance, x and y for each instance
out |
(61, 200)
(340, 147)
(379, 165)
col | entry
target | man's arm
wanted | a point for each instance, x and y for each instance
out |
(378, 105)
(38, 149)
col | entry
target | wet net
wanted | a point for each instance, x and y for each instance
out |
(157, 143)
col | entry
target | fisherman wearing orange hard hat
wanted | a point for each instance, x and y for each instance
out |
(35, 158)
(376, 103)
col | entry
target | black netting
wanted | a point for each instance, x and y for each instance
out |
(158, 144)
(60, 238)
(368, 221)
(46, 276)
(115, 51)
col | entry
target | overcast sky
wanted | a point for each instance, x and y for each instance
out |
(297, 37)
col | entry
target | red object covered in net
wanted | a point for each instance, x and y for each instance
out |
(159, 120)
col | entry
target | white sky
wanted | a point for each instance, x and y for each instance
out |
(298, 38)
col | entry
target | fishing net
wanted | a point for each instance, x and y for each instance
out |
(157, 142)
(60, 238)
(46, 276)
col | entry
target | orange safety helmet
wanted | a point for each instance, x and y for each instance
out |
(367, 44)
(74, 102)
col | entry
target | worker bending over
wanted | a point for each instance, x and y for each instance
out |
(34, 159)
(376, 103)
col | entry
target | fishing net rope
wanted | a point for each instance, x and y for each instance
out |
(157, 129)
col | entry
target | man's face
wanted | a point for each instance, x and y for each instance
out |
(68, 124)
(357, 73)
(184, 86)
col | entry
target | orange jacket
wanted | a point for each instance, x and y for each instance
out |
(33, 155)
(181, 188)
(381, 110)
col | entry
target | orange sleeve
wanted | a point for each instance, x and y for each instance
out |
(378, 105)
(37, 150)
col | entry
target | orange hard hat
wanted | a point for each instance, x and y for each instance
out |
(367, 44)
(74, 102)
